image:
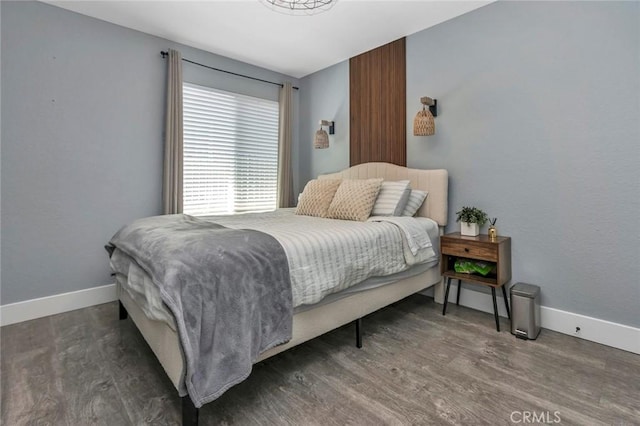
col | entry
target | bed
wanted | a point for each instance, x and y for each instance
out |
(315, 318)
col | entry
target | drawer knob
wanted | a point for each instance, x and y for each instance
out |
(466, 249)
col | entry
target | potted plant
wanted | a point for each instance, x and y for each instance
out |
(471, 220)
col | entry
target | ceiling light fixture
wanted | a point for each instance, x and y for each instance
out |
(300, 7)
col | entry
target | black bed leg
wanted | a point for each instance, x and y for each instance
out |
(359, 333)
(189, 412)
(122, 311)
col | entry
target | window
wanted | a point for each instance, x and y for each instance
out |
(230, 152)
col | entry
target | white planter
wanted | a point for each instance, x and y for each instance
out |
(469, 229)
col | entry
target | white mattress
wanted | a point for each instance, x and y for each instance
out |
(325, 256)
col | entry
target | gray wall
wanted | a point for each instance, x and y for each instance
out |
(324, 96)
(538, 125)
(82, 140)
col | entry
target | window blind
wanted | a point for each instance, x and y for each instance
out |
(230, 152)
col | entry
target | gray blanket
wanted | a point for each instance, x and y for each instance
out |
(229, 291)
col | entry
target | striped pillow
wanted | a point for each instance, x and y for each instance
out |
(392, 198)
(416, 198)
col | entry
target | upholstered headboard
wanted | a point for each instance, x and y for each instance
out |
(435, 182)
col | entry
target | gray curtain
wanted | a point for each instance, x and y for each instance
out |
(173, 147)
(285, 175)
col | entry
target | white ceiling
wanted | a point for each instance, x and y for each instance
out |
(249, 31)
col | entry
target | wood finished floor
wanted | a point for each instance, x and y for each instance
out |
(416, 368)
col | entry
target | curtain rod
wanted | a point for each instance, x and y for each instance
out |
(165, 54)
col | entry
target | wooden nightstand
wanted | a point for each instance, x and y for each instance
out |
(498, 252)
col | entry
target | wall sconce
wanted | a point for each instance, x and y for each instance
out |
(423, 124)
(321, 140)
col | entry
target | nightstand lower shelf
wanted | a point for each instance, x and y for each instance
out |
(480, 280)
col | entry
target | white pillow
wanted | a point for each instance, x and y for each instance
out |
(416, 198)
(392, 198)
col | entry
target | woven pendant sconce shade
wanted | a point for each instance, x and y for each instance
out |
(321, 140)
(424, 124)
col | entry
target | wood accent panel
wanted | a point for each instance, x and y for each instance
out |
(377, 99)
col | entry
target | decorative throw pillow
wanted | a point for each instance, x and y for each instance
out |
(392, 198)
(316, 197)
(416, 198)
(354, 199)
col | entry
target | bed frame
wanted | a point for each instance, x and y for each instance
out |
(311, 323)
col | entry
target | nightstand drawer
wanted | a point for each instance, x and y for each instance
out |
(470, 249)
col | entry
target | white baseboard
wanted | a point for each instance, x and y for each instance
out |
(476, 300)
(606, 332)
(56, 304)
(596, 330)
